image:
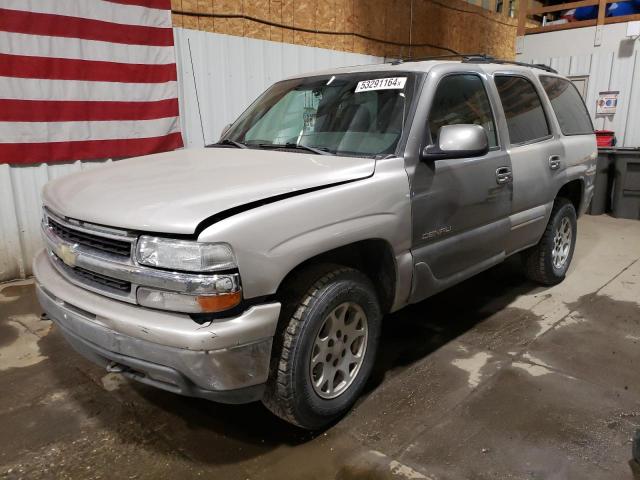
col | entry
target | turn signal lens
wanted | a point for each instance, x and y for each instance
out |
(218, 303)
(179, 302)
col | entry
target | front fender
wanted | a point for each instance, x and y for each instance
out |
(271, 240)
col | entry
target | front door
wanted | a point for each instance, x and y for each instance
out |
(460, 206)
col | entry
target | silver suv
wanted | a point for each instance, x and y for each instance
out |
(260, 268)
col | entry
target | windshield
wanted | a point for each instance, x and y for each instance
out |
(359, 114)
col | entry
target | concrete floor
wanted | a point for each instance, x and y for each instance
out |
(495, 378)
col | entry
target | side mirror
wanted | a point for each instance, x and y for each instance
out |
(225, 129)
(458, 141)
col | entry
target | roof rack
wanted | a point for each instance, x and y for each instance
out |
(477, 58)
(435, 57)
(489, 59)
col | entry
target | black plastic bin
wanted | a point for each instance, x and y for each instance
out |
(603, 182)
(626, 188)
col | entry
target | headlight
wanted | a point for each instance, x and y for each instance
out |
(185, 255)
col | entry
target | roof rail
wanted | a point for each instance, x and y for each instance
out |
(435, 57)
(540, 66)
(478, 58)
(489, 59)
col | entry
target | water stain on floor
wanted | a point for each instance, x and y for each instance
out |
(473, 366)
(23, 350)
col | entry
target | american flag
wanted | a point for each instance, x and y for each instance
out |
(86, 79)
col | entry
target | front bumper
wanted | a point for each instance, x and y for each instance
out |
(226, 360)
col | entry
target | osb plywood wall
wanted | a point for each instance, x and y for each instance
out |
(391, 28)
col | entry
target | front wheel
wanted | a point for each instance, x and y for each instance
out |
(325, 347)
(547, 262)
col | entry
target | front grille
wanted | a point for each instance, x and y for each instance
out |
(115, 247)
(93, 277)
(96, 279)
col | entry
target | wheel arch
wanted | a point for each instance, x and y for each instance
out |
(573, 190)
(373, 257)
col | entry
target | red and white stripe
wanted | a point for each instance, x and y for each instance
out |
(86, 79)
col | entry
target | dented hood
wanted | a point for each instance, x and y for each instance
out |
(173, 192)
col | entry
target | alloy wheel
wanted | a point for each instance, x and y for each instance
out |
(338, 351)
(562, 243)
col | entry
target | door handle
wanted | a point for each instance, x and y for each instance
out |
(554, 162)
(503, 175)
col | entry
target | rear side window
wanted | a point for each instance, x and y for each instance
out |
(461, 99)
(568, 106)
(523, 110)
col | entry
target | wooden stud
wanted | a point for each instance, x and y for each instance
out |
(523, 6)
(628, 18)
(561, 26)
(562, 6)
(602, 10)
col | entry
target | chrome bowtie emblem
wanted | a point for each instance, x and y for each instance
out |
(67, 255)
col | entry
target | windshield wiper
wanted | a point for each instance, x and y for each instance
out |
(227, 141)
(297, 146)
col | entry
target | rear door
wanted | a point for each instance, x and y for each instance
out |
(460, 206)
(537, 156)
(573, 121)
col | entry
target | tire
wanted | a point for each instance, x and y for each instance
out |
(544, 263)
(312, 296)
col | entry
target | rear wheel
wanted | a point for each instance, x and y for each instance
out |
(547, 262)
(325, 346)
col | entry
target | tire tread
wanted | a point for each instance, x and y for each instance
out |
(279, 394)
(535, 258)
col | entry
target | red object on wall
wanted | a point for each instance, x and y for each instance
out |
(87, 80)
(605, 138)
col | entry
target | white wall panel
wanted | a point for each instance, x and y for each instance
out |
(20, 212)
(614, 65)
(606, 71)
(632, 132)
(218, 77)
(580, 65)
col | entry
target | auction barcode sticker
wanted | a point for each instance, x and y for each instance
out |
(381, 84)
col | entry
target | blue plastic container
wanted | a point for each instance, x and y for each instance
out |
(620, 9)
(586, 13)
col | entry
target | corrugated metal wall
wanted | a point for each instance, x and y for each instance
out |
(219, 75)
(20, 209)
(606, 71)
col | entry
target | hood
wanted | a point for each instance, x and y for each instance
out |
(173, 192)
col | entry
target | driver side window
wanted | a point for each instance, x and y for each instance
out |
(461, 99)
